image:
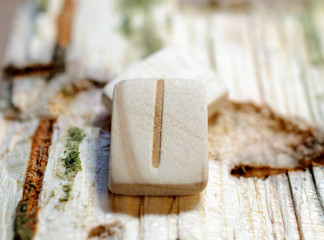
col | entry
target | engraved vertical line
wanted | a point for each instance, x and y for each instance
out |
(157, 131)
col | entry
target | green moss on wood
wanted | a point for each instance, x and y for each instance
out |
(71, 164)
(75, 135)
(72, 160)
(67, 190)
(143, 35)
(132, 5)
(320, 97)
(24, 223)
(42, 5)
(312, 38)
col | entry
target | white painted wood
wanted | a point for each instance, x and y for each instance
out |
(309, 211)
(26, 92)
(293, 98)
(90, 55)
(16, 52)
(159, 138)
(307, 202)
(33, 38)
(34, 97)
(190, 30)
(102, 58)
(261, 56)
(90, 205)
(318, 173)
(243, 211)
(234, 59)
(43, 40)
(174, 62)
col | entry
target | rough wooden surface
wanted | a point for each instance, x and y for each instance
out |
(269, 52)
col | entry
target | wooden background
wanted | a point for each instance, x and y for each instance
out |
(62, 52)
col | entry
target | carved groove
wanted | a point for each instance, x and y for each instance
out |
(157, 131)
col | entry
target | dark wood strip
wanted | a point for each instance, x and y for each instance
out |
(27, 209)
(34, 70)
(64, 23)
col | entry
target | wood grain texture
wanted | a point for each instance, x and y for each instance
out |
(268, 52)
(159, 127)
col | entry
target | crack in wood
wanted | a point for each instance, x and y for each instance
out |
(140, 218)
(255, 171)
(320, 200)
(294, 207)
(34, 70)
(263, 172)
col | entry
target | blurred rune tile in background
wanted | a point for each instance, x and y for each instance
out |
(176, 63)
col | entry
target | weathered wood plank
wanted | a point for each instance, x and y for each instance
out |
(33, 38)
(263, 54)
(16, 52)
(75, 211)
(278, 98)
(307, 207)
(121, 40)
(26, 92)
(62, 95)
(233, 55)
